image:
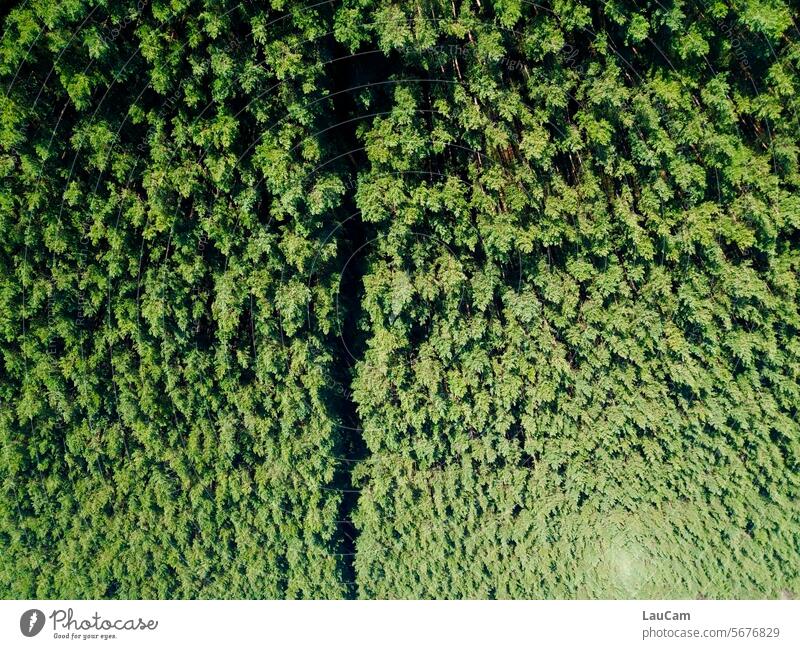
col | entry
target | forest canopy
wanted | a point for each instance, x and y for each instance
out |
(399, 299)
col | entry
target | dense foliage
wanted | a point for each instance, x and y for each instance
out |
(166, 429)
(384, 298)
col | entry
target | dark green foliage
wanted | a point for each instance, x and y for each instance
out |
(515, 287)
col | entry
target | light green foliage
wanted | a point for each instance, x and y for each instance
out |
(399, 299)
(165, 430)
(581, 376)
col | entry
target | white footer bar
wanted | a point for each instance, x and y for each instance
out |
(407, 624)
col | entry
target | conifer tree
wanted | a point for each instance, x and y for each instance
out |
(165, 425)
(510, 289)
(581, 308)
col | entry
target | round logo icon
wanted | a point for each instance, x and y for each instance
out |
(31, 622)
